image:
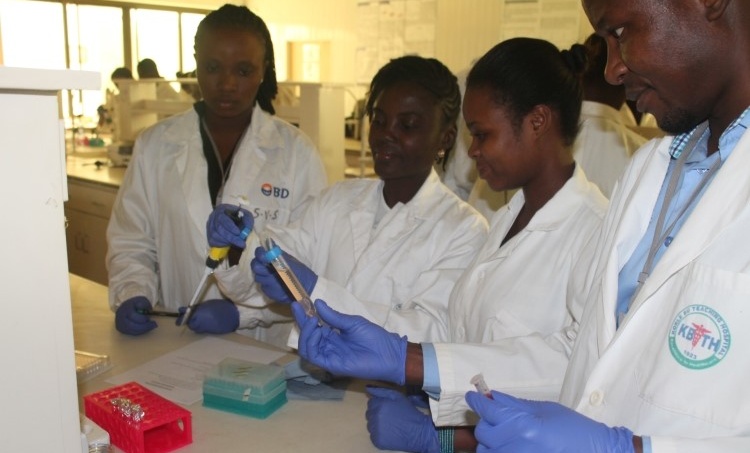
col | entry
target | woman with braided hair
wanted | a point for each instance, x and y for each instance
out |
(228, 148)
(389, 249)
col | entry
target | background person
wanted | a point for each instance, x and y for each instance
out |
(147, 70)
(605, 143)
(227, 149)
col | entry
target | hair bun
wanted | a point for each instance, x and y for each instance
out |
(575, 58)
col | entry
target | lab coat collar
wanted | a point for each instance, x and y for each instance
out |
(419, 206)
(715, 212)
(263, 130)
(400, 221)
(558, 208)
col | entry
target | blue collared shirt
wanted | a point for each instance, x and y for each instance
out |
(698, 162)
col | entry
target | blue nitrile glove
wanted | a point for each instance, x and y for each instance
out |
(510, 424)
(229, 225)
(130, 318)
(212, 316)
(352, 346)
(395, 422)
(271, 284)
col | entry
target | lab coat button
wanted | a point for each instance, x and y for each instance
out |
(596, 398)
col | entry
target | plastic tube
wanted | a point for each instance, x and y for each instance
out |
(481, 386)
(275, 256)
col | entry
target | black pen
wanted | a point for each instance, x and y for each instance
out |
(158, 313)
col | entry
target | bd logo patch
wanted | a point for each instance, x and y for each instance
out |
(699, 337)
(277, 192)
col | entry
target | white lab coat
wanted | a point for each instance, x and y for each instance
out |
(604, 144)
(631, 376)
(511, 299)
(157, 231)
(398, 276)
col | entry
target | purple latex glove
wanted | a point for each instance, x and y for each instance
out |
(130, 318)
(229, 225)
(271, 284)
(395, 422)
(510, 424)
(352, 346)
(212, 316)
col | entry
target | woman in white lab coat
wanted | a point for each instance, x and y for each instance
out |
(389, 249)
(229, 147)
(522, 106)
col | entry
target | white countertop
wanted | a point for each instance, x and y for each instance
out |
(82, 166)
(298, 426)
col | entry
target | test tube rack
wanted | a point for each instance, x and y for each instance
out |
(138, 420)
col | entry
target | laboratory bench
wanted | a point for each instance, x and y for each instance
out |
(297, 426)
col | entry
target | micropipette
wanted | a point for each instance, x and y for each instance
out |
(215, 255)
(481, 386)
(275, 256)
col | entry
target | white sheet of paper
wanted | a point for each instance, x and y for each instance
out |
(178, 375)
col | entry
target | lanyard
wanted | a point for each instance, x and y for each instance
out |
(660, 233)
(217, 173)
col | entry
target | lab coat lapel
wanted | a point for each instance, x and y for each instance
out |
(249, 158)
(190, 164)
(715, 212)
(625, 224)
(362, 216)
(501, 222)
(399, 222)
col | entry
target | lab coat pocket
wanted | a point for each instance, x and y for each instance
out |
(699, 366)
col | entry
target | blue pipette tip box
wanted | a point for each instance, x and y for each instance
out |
(246, 388)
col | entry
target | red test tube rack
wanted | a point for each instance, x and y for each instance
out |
(138, 420)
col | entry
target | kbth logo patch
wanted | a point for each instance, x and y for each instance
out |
(699, 337)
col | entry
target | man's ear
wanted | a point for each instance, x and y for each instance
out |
(714, 9)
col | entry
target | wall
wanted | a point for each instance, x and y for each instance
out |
(464, 29)
(319, 20)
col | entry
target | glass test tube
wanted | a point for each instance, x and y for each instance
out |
(275, 256)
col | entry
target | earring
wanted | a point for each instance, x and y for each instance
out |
(440, 155)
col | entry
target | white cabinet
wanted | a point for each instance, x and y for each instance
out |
(39, 380)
